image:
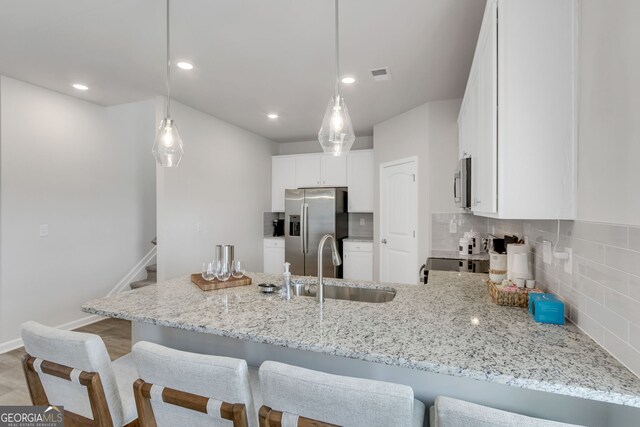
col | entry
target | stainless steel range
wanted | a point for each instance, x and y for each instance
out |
(455, 264)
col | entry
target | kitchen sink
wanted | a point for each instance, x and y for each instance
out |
(348, 293)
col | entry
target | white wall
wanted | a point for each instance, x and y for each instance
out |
(223, 183)
(313, 146)
(609, 106)
(430, 133)
(402, 136)
(443, 158)
(87, 172)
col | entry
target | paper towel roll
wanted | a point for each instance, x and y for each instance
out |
(520, 268)
(513, 249)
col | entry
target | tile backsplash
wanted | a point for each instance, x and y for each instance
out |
(361, 225)
(602, 293)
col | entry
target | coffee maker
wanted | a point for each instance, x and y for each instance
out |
(278, 227)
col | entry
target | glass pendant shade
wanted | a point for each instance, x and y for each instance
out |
(336, 134)
(167, 148)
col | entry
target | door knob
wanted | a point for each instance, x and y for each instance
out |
(383, 241)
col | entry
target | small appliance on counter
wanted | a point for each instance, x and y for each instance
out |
(278, 227)
(471, 244)
(466, 265)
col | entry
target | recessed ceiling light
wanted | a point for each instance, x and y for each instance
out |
(80, 86)
(348, 80)
(185, 65)
(272, 116)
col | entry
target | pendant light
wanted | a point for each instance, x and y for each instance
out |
(167, 148)
(336, 134)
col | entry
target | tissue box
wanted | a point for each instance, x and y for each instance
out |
(546, 308)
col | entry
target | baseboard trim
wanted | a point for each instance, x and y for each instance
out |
(74, 324)
(131, 275)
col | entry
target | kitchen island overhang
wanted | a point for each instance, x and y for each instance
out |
(445, 338)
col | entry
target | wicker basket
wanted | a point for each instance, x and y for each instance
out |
(519, 298)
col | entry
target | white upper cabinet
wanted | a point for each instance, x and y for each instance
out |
(517, 121)
(360, 180)
(333, 170)
(283, 176)
(484, 170)
(355, 170)
(321, 170)
(308, 171)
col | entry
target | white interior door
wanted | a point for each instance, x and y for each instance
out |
(399, 222)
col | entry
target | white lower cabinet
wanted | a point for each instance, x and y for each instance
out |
(273, 256)
(358, 260)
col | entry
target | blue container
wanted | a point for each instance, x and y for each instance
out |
(546, 308)
(534, 296)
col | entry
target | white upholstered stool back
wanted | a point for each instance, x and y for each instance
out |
(215, 377)
(81, 351)
(451, 412)
(335, 399)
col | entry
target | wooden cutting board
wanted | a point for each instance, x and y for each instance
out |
(217, 284)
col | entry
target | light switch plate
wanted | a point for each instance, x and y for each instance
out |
(361, 221)
(568, 263)
(44, 230)
(453, 226)
(546, 252)
(199, 227)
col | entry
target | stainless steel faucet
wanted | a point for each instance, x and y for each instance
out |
(335, 257)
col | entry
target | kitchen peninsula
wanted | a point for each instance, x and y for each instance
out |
(444, 338)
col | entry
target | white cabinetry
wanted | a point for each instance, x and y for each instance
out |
(333, 170)
(273, 255)
(283, 176)
(360, 180)
(358, 260)
(308, 171)
(321, 170)
(355, 170)
(518, 116)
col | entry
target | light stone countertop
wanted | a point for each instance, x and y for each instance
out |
(449, 326)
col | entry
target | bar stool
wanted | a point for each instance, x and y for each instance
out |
(449, 412)
(178, 388)
(73, 369)
(295, 396)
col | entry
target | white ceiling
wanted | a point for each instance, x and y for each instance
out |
(251, 57)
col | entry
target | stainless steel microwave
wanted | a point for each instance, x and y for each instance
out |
(462, 184)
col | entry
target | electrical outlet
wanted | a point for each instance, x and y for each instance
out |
(568, 263)
(44, 230)
(361, 221)
(546, 252)
(199, 227)
(453, 226)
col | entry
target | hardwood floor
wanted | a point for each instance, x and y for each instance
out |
(115, 333)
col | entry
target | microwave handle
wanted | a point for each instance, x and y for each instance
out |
(455, 179)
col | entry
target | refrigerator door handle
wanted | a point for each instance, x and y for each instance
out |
(305, 228)
(302, 227)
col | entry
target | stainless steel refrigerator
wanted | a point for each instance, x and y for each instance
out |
(310, 214)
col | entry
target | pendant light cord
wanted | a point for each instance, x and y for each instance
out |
(337, 31)
(168, 63)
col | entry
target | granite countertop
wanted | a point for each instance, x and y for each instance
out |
(449, 326)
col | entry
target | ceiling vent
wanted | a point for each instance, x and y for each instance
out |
(381, 74)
